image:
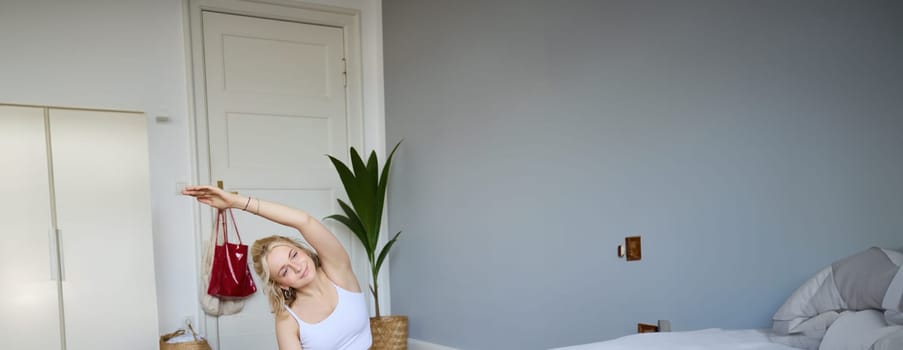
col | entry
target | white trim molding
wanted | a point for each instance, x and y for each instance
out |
(414, 344)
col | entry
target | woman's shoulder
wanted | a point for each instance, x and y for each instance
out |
(343, 279)
(287, 331)
(284, 321)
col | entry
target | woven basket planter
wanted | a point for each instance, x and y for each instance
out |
(389, 332)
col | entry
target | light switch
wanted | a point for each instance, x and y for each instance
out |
(634, 248)
(646, 328)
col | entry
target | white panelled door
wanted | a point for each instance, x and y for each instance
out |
(276, 105)
(29, 303)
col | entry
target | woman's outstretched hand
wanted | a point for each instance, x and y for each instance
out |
(211, 196)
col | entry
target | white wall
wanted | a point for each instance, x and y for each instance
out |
(124, 55)
(131, 54)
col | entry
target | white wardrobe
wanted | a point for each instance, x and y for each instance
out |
(76, 250)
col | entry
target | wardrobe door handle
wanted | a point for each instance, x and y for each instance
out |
(54, 262)
(62, 264)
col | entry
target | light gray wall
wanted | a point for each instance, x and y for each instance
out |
(750, 143)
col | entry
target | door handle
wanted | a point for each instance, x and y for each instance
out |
(62, 261)
(54, 254)
(219, 183)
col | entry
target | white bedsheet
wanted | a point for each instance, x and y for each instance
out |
(706, 339)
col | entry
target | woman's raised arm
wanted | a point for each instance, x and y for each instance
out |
(332, 254)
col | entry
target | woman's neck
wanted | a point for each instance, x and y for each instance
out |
(316, 288)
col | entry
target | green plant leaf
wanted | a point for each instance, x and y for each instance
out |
(373, 170)
(364, 200)
(367, 240)
(347, 177)
(384, 181)
(384, 253)
(357, 194)
(348, 223)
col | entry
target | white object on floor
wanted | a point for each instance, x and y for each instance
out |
(184, 338)
(713, 338)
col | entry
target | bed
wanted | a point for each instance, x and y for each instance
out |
(854, 304)
(706, 339)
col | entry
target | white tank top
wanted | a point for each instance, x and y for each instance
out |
(346, 328)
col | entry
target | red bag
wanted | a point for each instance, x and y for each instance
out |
(230, 276)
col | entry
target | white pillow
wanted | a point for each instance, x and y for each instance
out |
(816, 326)
(893, 341)
(811, 308)
(856, 331)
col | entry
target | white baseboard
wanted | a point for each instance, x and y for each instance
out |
(414, 344)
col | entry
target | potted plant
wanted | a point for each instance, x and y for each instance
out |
(366, 185)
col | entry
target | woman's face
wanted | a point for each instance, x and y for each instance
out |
(290, 267)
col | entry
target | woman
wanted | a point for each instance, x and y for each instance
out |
(315, 296)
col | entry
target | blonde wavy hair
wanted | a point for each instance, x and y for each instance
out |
(259, 252)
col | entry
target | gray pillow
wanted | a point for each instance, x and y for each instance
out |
(894, 318)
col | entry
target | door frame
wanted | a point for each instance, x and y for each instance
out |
(371, 118)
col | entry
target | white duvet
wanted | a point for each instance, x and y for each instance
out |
(706, 339)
